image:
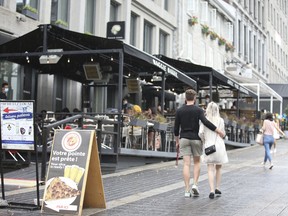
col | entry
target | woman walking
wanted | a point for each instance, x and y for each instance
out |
(268, 129)
(215, 160)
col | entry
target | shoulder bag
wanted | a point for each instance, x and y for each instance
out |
(211, 149)
(259, 138)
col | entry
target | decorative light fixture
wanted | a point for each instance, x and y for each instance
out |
(241, 64)
(233, 61)
(91, 59)
(68, 60)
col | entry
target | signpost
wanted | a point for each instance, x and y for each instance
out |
(18, 133)
(17, 125)
(74, 176)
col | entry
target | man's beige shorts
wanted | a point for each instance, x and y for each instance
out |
(191, 147)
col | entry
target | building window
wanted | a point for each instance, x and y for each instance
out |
(190, 46)
(212, 18)
(114, 11)
(89, 16)
(59, 13)
(204, 12)
(192, 6)
(250, 46)
(239, 37)
(28, 8)
(133, 29)
(148, 32)
(163, 39)
(166, 5)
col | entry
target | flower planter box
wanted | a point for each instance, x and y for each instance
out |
(30, 14)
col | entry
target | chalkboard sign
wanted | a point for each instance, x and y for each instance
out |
(17, 125)
(74, 175)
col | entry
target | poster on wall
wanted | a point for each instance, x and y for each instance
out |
(17, 125)
(73, 173)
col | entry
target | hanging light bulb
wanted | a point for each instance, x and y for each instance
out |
(129, 74)
(92, 59)
(27, 58)
(68, 60)
(112, 58)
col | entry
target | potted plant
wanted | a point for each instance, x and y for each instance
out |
(221, 41)
(192, 21)
(229, 47)
(205, 29)
(213, 35)
(30, 12)
(160, 123)
(61, 23)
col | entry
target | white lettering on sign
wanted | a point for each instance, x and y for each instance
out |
(172, 72)
(160, 65)
(165, 68)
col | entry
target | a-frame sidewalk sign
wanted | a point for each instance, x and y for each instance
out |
(74, 179)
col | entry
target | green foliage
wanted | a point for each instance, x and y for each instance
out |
(32, 9)
(61, 22)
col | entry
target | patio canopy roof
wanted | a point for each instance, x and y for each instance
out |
(77, 49)
(207, 76)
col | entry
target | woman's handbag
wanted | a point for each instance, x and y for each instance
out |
(209, 150)
(259, 138)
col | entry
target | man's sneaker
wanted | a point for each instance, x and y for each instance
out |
(271, 166)
(195, 190)
(187, 194)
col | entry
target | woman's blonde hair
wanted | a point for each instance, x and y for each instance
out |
(212, 113)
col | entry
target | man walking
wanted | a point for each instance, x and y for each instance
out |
(187, 125)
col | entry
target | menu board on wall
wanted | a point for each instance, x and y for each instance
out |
(74, 174)
(17, 125)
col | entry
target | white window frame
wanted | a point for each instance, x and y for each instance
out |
(204, 12)
(189, 46)
(192, 6)
(212, 18)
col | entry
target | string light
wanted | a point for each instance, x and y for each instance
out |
(92, 59)
(112, 58)
(27, 58)
(68, 60)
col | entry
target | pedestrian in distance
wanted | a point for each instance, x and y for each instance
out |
(186, 129)
(216, 159)
(4, 91)
(268, 130)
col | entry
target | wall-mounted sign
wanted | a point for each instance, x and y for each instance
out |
(74, 175)
(116, 30)
(17, 125)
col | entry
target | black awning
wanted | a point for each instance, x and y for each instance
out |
(202, 75)
(81, 48)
